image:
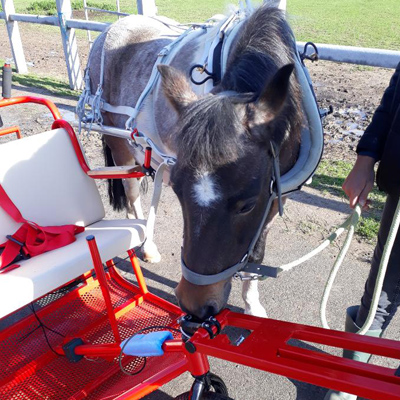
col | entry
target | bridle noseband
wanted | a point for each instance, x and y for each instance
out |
(244, 265)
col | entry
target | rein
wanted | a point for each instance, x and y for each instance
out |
(244, 265)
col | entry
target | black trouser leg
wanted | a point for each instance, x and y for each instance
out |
(390, 297)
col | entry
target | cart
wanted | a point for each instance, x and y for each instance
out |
(72, 327)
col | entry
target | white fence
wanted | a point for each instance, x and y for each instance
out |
(64, 20)
(67, 26)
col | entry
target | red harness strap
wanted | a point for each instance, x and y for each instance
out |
(31, 239)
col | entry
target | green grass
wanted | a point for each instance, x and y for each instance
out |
(329, 178)
(51, 86)
(367, 23)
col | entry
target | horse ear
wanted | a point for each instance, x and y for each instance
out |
(176, 87)
(269, 103)
(273, 96)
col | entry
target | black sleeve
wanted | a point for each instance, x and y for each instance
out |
(373, 140)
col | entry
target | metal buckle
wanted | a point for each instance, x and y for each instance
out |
(254, 277)
(9, 237)
(22, 253)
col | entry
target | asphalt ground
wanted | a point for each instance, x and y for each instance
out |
(294, 296)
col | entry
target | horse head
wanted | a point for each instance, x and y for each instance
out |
(225, 145)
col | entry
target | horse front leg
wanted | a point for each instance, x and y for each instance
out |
(122, 154)
(250, 294)
(133, 204)
(251, 298)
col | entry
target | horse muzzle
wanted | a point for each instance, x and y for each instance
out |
(202, 301)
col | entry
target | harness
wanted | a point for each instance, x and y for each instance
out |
(214, 65)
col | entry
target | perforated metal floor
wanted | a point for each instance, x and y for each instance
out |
(30, 369)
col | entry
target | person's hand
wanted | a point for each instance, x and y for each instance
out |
(360, 181)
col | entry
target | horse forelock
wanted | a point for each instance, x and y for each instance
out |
(211, 132)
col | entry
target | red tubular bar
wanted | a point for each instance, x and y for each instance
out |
(138, 271)
(147, 157)
(11, 129)
(60, 123)
(113, 349)
(101, 277)
(30, 99)
(267, 348)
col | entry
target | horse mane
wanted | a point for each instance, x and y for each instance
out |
(265, 43)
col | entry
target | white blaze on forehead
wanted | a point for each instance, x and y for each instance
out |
(205, 190)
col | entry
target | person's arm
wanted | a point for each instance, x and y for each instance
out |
(360, 180)
(374, 138)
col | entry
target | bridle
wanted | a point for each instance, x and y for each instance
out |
(244, 265)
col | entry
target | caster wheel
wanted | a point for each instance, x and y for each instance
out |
(206, 396)
(217, 390)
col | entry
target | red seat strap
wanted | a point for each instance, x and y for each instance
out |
(31, 239)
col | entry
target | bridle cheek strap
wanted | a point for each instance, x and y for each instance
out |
(242, 265)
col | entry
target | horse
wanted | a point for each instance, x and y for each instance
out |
(225, 141)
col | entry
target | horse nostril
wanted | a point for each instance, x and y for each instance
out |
(209, 310)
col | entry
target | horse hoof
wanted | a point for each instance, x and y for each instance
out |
(256, 311)
(151, 253)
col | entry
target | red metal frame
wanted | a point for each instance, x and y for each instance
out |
(31, 99)
(10, 130)
(60, 123)
(266, 350)
(101, 277)
(267, 347)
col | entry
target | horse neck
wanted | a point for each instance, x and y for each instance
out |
(194, 50)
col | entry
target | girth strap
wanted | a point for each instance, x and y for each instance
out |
(31, 239)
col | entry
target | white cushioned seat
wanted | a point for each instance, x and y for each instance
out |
(41, 274)
(42, 176)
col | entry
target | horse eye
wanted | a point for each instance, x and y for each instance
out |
(247, 208)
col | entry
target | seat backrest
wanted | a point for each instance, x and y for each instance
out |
(42, 176)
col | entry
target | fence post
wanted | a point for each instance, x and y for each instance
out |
(70, 46)
(147, 7)
(15, 37)
(281, 4)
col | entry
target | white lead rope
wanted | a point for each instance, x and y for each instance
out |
(351, 221)
(350, 224)
(382, 270)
